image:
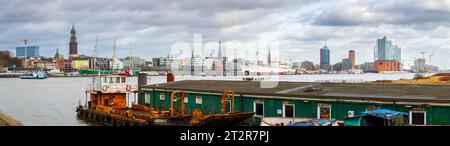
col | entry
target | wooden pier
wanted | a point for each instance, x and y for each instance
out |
(6, 120)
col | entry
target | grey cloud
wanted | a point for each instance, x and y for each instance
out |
(153, 26)
(373, 12)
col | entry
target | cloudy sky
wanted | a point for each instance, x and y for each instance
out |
(302, 27)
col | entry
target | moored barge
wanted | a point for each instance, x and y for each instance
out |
(107, 104)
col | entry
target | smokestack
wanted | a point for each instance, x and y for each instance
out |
(142, 80)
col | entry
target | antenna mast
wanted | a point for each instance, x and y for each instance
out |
(114, 55)
(95, 52)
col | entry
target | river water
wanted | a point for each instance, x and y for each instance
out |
(52, 102)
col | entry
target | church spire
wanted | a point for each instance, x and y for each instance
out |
(73, 29)
(73, 49)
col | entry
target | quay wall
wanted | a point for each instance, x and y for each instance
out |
(6, 120)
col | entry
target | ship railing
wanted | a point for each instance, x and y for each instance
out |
(112, 88)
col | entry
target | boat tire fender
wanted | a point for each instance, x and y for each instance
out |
(128, 88)
(105, 87)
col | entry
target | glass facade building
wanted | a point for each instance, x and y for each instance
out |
(27, 51)
(325, 56)
(385, 50)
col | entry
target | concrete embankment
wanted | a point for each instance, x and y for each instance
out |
(6, 120)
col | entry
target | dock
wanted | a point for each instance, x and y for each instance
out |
(6, 120)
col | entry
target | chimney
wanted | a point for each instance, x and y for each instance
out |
(142, 80)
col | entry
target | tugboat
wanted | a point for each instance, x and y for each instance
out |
(107, 105)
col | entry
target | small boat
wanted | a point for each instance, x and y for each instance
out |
(34, 75)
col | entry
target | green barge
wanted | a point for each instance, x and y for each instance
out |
(86, 72)
(425, 104)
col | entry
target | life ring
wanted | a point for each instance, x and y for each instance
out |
(128, 88)
(105, 87)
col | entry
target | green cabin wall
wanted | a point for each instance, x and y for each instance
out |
(436, 115)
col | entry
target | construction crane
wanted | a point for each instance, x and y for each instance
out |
(114, 55)
(430, 58)
(423, 54)
(25, 41)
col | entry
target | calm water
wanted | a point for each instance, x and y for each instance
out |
(52, 101)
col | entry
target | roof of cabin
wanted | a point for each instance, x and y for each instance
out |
(357, 91)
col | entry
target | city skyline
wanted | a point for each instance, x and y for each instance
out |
(302, 26)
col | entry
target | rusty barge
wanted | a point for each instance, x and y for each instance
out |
(107, 104)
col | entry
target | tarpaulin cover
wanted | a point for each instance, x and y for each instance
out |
(384, 113)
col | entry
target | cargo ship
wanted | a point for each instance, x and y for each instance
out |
(107, 104)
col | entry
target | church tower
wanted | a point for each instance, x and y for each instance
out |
(73, 50)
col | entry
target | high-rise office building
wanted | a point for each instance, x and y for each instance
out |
(325, 58)
(351, 56)
(27, 51)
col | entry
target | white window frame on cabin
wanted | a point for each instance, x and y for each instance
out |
(415, 111)
(186, 99)
(162, 96)
(254, 108)
(324, 106)
(284, 109)
(198, 100)
(147, 98)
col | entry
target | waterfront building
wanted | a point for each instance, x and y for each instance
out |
(161, 62)
(80, 64)
(337, 66)
(58, 59)
(431, 68)
(386, 50)
(425, 105)
(100, 63)
(44, 65)
(386, 66)
(325, 58)
(133, 63)
(368, 67)
(419, 65)
(351, 56)
(27, 51)
(346, 64)
(308, 65)
(387, 56)
(73, 45)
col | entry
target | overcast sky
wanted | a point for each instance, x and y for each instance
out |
(302, 27)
